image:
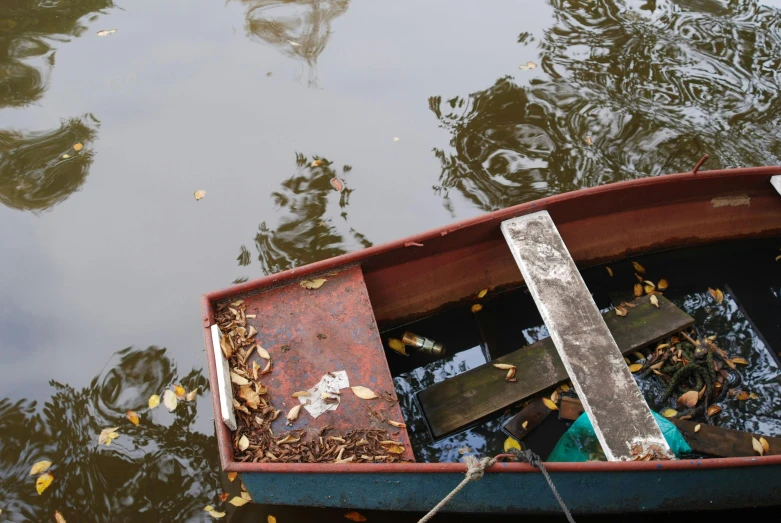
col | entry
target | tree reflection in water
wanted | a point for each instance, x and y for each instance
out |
(158, 471)
(298, 29)
(652, 87)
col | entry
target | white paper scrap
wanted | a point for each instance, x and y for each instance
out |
(330, 383)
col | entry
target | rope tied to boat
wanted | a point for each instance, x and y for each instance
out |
(476, 470)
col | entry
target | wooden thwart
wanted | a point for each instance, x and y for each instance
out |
(709, 439)
(464, 399)
(593, 360)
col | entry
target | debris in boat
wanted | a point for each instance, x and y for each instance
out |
(757, 446)
(609, 271)
(216, 514)
(301, 393)
(285, 348)
(510, 375)
(238, 501)
(650, 452)
(364, 393)
(397, 424)
(355, 516)
(243, 443)
(58, 517)
(232, 476)
(638, 290)
(313, 284)
(43, 482)
(527, 66)
(477, 307)
(716, 294)
(425, 345)
(765, 444)
(697, 427)
(634, 367)
(662, 285)
(638, 268)
(108, 435)
(106, 32)
(133, 417)
(397, 345)
(511, 443)
(330, 384)
(482, 293)
(669, 413)
(322, 337)
(154, 401)
(548, 403)
(688, 399)
(199, 194)
(621, 311)
(40, 467)
(654, 301)
(224, 497)
(504, 366)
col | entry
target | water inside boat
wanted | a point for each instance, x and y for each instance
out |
(746, 324)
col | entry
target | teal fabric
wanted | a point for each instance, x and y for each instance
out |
(580, 442)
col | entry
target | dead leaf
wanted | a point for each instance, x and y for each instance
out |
(392, 447)
(317, 163)
(249, 395)
(638, 290)
(669, 413)
(39, 467)
(555, 396)
(108, 435)
(271, 519)
(504, 366)
(154, 401)
(397, 424)
(757, 446)
(43, 482)
(510, 375)
(180, 392)
(192, 394)
(244, 442)
(482, 293)
(511, 443)
(66, 156)
(58, 517)
(301, 393)
(589, 141)
(620, 311)
(363, 392)
(713, 410)
(133, 417)
(224, 497)
(355, 516)
(662, 285)
(263, 353)
(639, 268)
(765, 444)
(740, 360)
(753, 396)
(232, 476)
(477, 307)
(525, 424)
(169, 400)
(313, 284)
(395, 138)
(397, 345)
(689, 399)
(742, 395)
(548, 403)
(238, 380)
(528, 66)
(716, 294)
(216, 514)
(207, 508)
(635, 367)
(697, 427)
(649, 288)
(199, 194)
(654, 301)
(106, 32)
(292, 414)
(639, 278)
(238, 502)
(564, 387)
(226, 344)
(245, 494)
(337, 184)
(609, 271)
(78, 147)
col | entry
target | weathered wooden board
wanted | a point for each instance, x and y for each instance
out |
(709, 439)
(527, 420)
(464, 399)
(590, 354)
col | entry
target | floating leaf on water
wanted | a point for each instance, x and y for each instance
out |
(133, 417)
(738, 359)
(216, 514)
(639, 268)
(232, 476)
(662, 285)
(66, 156)
(589, 141)
(192, 394)
(527, 66)
(669, 413)
(207, 508)
(697, 427)
(757, 446)
(511, 443)
(199, 194)
(638, 290)
(620, 311)
(654, 301)
(78, 147)
(609, 271)
(58, 517)
(317, 163)
(504, 366)
(395, 138)
(235, 378)
(271, 519)
(238, 502)
(548, 403)
(765, 444)
(40, 467)
(477, 307)
(689, 399)
(43, 482)
(363, 392)
(742, 395)
(397, 424)
(292, 414)
(753, 396)
(179, 391)
(108, 435)
(294, 44)
(106, 32)
(482, 293)
(713, 410)
(355, 516)
(169, 400)
(301, 393)
(716, 294)
(263, 353)
(313, 284)
(729, 363)
(635, 367)
(244, 442)
(397, 345)
(337, 184)
(154, 401)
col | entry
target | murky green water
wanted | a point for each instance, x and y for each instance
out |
(105, 250)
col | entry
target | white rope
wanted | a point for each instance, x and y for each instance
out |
(474, 471)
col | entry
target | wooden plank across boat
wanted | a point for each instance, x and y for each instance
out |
(313, 332)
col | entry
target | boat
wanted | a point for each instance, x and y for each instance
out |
(326, 317)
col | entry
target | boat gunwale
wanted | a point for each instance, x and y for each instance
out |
(223, 434)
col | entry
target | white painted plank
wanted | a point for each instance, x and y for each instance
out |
(776, 181)
(224, 381)
(610, 396)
